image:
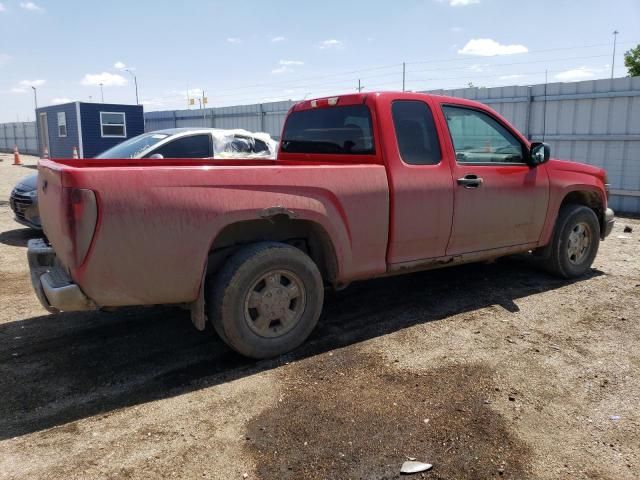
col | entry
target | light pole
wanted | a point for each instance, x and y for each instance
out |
(35, 96)
(101, 93)
(613, 59)
(135, 81)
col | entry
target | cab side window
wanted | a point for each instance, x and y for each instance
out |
(416, 133)
(479, 138)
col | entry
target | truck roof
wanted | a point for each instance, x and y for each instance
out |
(356, 98)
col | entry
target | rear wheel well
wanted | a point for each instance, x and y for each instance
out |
(305, 235)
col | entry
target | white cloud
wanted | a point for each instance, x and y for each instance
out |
(291, 62)
(331, 43)
(477, 67)
(105, 78)
(31, 83)
(456, 29)
(278, 39)
(486, 47)
(18, 90)
(153, 102)
(119, 66)
(285, 66)
(4, 58)
(460, 3)
(32, 7)
(58, 100)
(234, 40)
(2, 9)
(573, 75)
(511, 77)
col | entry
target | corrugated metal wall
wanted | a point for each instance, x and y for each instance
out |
(22, 134)
(260, 117)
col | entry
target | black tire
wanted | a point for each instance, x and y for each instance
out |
(231, 291)
(561, 261)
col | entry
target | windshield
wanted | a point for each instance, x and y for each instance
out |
(133, 147)
(342, 130)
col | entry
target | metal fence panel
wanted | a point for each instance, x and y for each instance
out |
(20, 134)
(264, 117)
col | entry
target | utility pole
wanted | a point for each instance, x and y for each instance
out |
(204, 110)
(404, 71)
(135, 81)
(613, 58)
(360, 87)
(101, 93)
(544, 113)
(35, 96)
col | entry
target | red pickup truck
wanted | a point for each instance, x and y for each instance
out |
(364, 186)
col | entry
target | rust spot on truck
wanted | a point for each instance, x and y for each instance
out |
(269, 213)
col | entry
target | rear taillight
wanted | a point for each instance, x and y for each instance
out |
(82, 217)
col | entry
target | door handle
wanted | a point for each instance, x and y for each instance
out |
(470, 181)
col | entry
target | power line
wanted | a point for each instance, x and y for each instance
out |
(291, 83)
(392, 74)
(396, 65)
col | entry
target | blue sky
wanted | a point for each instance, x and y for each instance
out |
(250, 51)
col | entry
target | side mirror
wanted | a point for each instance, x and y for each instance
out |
(539, 153)
(157, 156)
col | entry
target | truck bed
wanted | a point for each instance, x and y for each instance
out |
(157, 219)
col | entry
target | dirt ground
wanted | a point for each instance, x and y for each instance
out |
(484, 371)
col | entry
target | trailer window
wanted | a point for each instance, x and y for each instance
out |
(62, 124)
(113, 124)
(338, 130)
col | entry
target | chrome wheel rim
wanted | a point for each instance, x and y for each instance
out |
(579, 243)
(275, 303)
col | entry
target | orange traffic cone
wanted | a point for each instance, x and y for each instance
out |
(75, 152)
(16, 156)
(45, 154)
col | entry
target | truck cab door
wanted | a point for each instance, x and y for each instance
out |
(499, 200)
(420, 182)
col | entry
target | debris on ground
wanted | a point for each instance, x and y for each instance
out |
(415, 467)
(627, 229)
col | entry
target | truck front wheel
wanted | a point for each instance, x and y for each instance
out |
(575, 241)
(266, 299)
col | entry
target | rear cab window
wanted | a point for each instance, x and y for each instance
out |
(343, 130)
(416, 133)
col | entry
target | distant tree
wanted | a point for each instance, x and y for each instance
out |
(632, 61)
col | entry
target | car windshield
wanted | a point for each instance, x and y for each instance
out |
(133, 147)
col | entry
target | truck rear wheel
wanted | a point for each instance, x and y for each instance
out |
(575, 242)
(266, 299)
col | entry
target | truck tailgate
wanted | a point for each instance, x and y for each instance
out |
(54, 210)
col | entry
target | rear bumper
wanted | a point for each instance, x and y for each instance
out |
(54, 288)
(609, 222)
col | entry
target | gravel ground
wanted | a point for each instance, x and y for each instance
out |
(485, 371)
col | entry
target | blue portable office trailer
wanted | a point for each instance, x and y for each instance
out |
(90, 127)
